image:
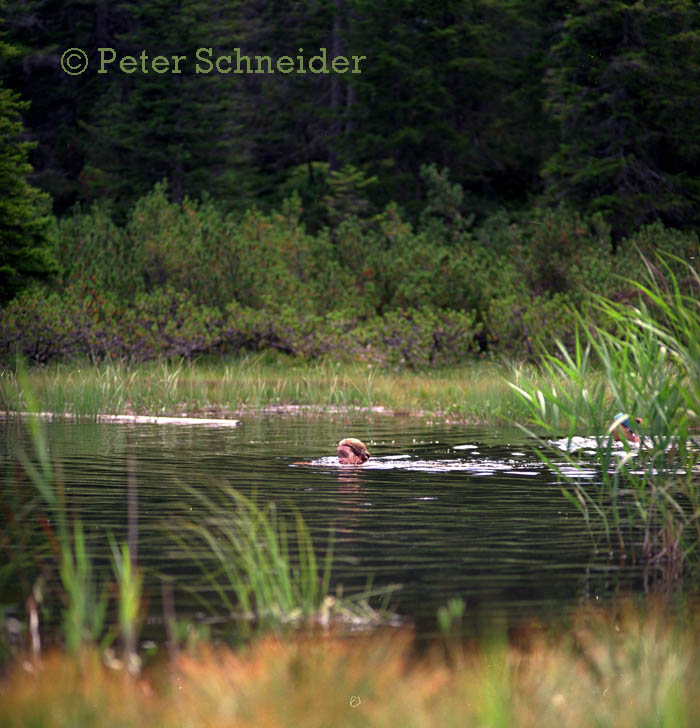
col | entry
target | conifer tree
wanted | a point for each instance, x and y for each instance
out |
(183, 127)
(23, 209)
(60, 103)
(457, 84)
(624, 86)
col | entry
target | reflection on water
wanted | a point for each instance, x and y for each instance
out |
(443, 510)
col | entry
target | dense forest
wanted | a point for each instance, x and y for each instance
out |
(463, 187)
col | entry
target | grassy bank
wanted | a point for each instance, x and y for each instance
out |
(609, 669)
(477, 392)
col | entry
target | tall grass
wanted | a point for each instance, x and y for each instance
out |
(83, 609)
(85, 598)
(129, 584)
(82, 589)
(257, 571)
(648, 358)
(477, 392)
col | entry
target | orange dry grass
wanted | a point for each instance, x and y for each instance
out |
(63, 691)
(611, 670)
(314, 683)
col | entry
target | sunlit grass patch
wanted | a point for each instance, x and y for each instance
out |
(475, 392)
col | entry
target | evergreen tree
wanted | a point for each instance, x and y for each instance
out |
(40, 31)
(457, 84)
(23, 209)
(347, 196)
(624, 86)
(185, 127)
(292, 119)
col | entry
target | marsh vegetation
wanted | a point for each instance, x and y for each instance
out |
(476, 392)
(235, 245)
(267, 573)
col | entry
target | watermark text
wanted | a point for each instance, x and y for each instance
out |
(74, 61)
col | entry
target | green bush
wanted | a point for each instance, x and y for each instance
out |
(179, 279)
(417, 337)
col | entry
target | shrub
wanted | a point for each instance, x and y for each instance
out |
(179, 279)
(417, 337)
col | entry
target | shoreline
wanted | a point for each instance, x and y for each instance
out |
(216, 416)
(129, 418)
(474, 394)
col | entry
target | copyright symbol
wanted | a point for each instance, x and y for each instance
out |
(74, 61)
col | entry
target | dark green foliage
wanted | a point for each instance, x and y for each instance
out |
(418, 337)
(23, 209)
(81, 322)
(598, 97)
(624, 84)
(459, 84)
(308, 182)
(295, 211)
(61, 104)
(560, 251)
(444, 201)
(184, 127)
(178, 280)
(454, 83)
(170, 324)
(647, 358)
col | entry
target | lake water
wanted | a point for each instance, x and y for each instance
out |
(443, 510)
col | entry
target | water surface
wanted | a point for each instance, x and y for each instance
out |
(443, 510)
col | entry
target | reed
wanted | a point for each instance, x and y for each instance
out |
(644, 363)
(477, 392)
(81, 588)
(84, 598)
(259, 568)
(129, 598)
(258, 573)
(449, 618)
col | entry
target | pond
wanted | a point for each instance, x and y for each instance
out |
(443, 510)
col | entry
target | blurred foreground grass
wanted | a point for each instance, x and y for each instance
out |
(607, 669)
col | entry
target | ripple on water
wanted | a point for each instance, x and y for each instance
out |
(482, 466)
(444, 510)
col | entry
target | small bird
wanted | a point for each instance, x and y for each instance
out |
(352, 451)
(624, 431)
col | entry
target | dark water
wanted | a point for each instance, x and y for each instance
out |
(444, 511)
